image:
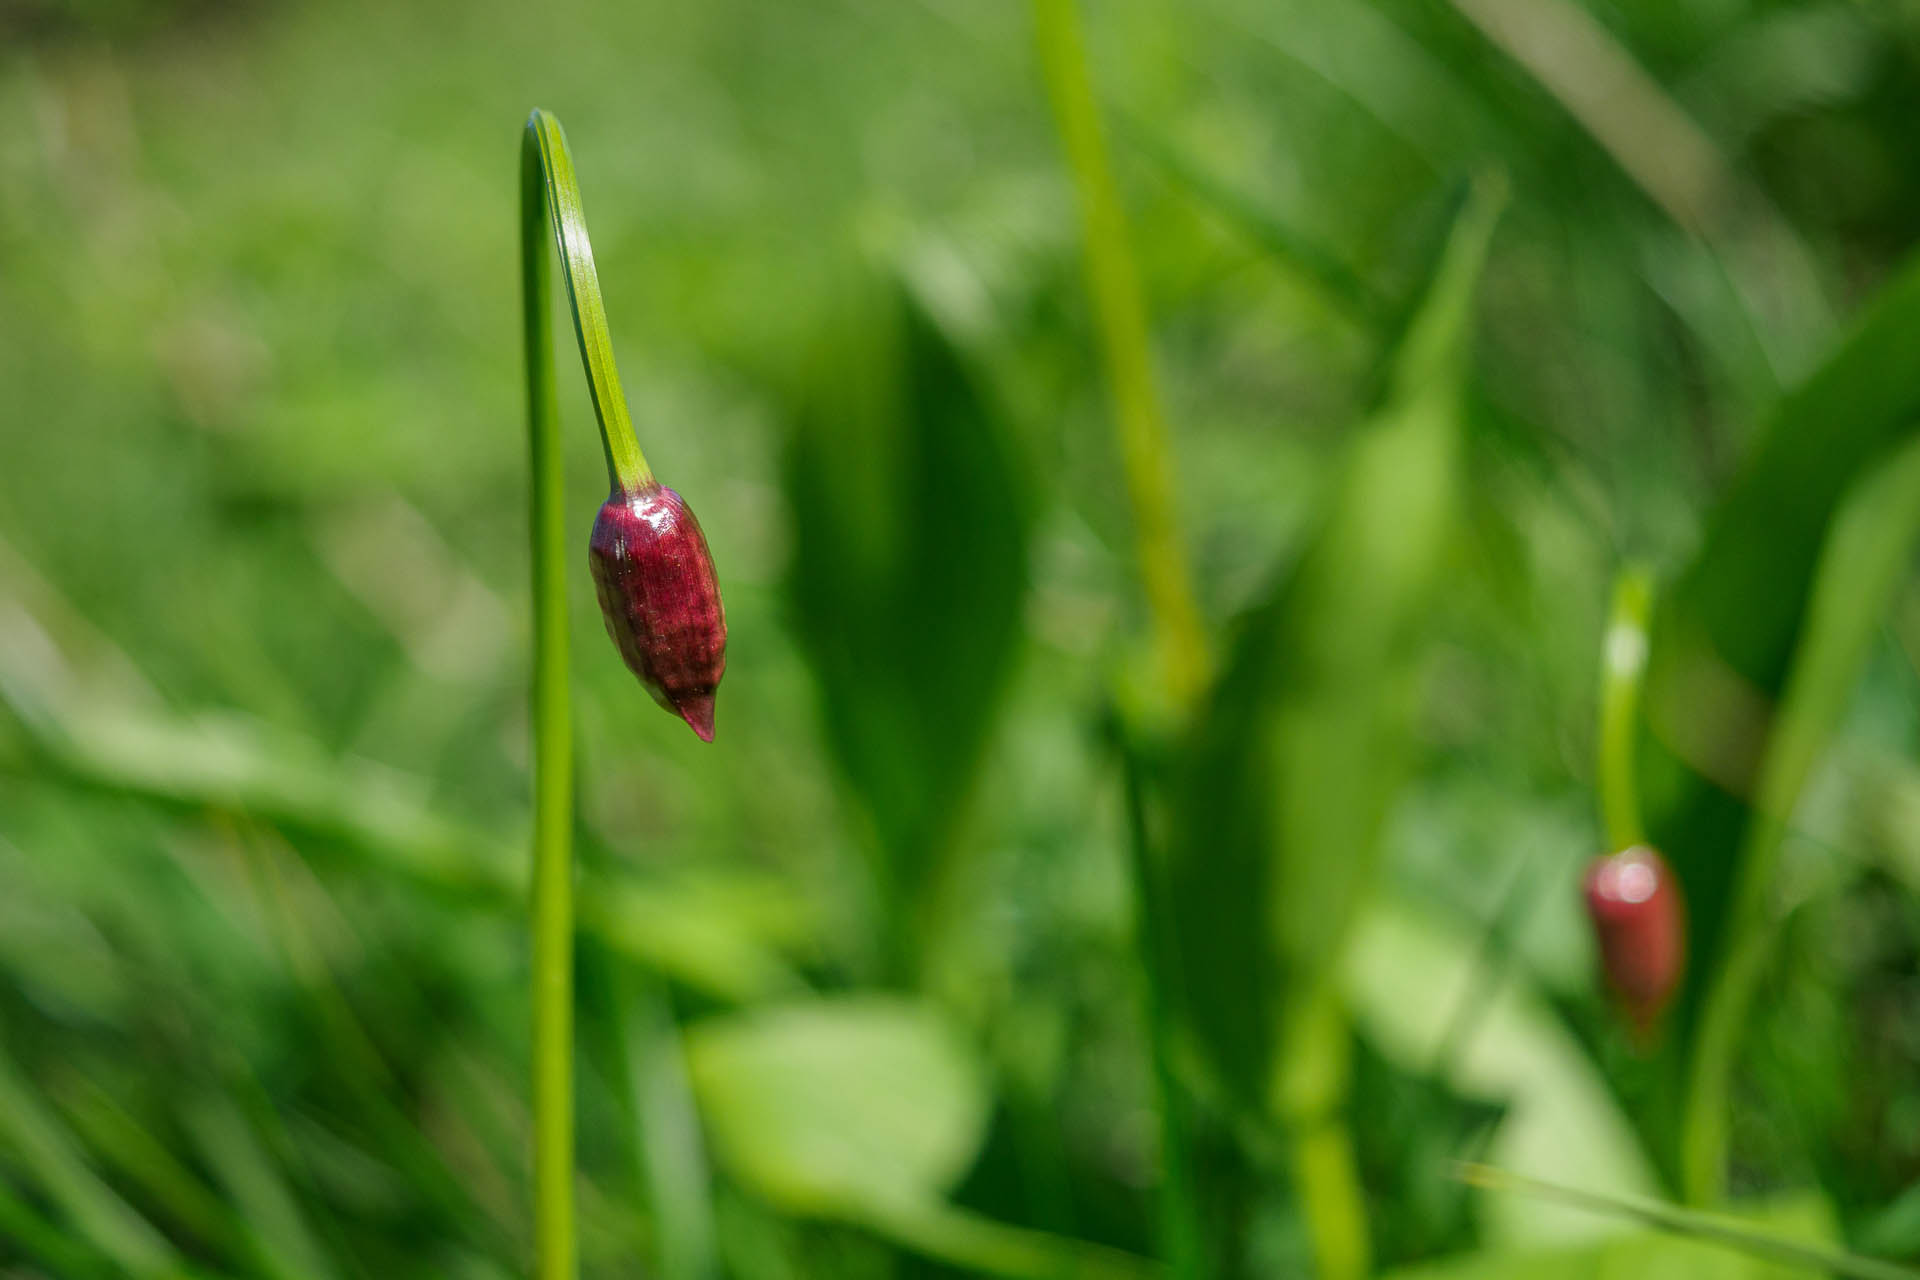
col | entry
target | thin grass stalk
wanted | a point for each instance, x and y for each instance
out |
(550, 200)
(1120, 314)
(1623, 664)
(1146, 458)
(555, 1249)
(1727, 1232)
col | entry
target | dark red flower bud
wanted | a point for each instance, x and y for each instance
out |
(661, 600)
(1640, 923)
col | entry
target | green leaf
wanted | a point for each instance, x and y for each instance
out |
(1866, 556)
(1784, 1238)
(868, 1110)
(909, 571)
(1729, 635)
(1291, 769)
(836, 1108)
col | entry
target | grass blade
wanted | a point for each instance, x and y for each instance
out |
(1863, 561)
(1724, 646)
(1289, 777)
(1690, 1222)
(106, 1221)
(284, 1247)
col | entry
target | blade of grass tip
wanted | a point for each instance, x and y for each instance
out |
(54, 1158)
(1861, 563)
(1120, 314)
(1182, 1240)
(1623, 665)
(1674, 1220)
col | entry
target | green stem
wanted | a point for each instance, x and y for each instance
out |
(1311, 1097)
(1623, 662)
(547, 182)
(1182, 1240)
(550, 198)
(1121, 316)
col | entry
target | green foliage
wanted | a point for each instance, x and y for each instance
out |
(263, 585)
(910, 547)
(842, 1107)
(1740, 635)
(1302, 744)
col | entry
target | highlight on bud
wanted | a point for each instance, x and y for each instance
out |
(661, 600)
(1639, 921)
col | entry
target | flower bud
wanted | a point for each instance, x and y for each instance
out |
(661, 600)
(1639, 921)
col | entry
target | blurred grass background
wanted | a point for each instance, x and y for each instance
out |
(263, 638)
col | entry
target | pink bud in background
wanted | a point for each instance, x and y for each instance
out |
(1639, 922)
(661, 600)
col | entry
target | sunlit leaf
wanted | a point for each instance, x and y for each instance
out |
(834, 1106)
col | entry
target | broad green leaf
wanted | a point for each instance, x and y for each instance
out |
(839, 1108)
(1726, 638)
(1864, 559)
(1298, 753)
(867, 1110)
(909, 569)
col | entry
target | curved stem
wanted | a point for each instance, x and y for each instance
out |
(549, 195)
(1623, 663)
(544, 155)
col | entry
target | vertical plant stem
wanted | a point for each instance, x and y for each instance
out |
(550, 198)
(1310, 1090)
(1182, 1241)
(1121, 316)
(1623, 662)
(552, 963)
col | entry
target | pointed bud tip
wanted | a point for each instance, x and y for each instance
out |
(697, 710)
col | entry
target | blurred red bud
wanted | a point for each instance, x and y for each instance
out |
(661, 600)
(1640, 923)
